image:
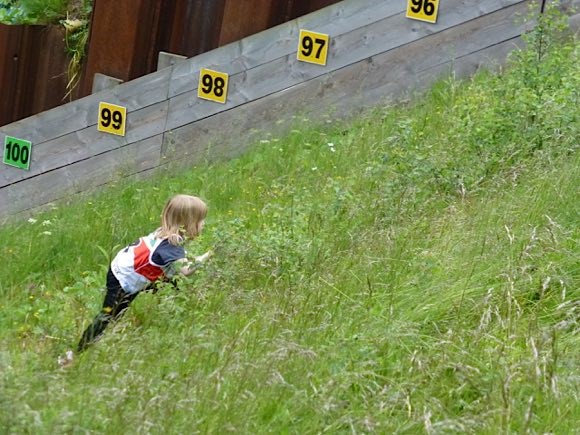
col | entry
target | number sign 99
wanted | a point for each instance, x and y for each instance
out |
(17, 152)
(213, 85)
(112, 119)
(423, 10)
(312, 47)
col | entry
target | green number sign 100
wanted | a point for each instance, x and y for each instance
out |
(17, 152)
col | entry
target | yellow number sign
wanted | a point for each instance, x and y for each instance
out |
(312, 47)
(112, 118)
(423, 10)
(213, 85)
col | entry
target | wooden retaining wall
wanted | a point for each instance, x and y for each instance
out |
(375, 54)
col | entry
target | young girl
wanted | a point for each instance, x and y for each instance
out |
(157, 256)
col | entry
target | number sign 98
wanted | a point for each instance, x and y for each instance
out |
(213, 85)
(210, 85)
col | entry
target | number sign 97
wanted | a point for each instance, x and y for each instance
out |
(17, 152)
(312, 47)
(112, 119)
(308, 46)
(423, 10)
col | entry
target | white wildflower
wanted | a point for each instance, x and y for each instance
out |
(67, 360)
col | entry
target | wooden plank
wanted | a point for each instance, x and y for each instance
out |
(281, 41)
(82, 113)
(80, 176)
(86, 143)
(346, 90)
(361, 43)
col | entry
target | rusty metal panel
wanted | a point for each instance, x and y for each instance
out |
(286, 10)
(33, 68)
(121, 39)
(26, 73)
(190, 27)
(9, 55)
(303, 7)
(244, 18)
(48, 52)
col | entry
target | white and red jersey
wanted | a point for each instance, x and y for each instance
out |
(145, 261)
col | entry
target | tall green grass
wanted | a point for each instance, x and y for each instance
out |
(411, 271)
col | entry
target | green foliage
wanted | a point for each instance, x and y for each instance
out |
(9, 13)
(414, 270)
(33, 11)
(76, 41)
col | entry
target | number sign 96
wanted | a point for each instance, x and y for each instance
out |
(112, 119)
(423, 10)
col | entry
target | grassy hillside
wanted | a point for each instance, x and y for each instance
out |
(412, 271)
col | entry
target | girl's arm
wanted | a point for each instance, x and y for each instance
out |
(187, 267)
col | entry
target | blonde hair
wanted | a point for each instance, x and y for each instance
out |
(181, 217)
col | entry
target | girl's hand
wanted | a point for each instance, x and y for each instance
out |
(203, 258)
(188, 267)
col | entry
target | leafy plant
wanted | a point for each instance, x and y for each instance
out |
(33, 11)
(44, 11)
(76, 39)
